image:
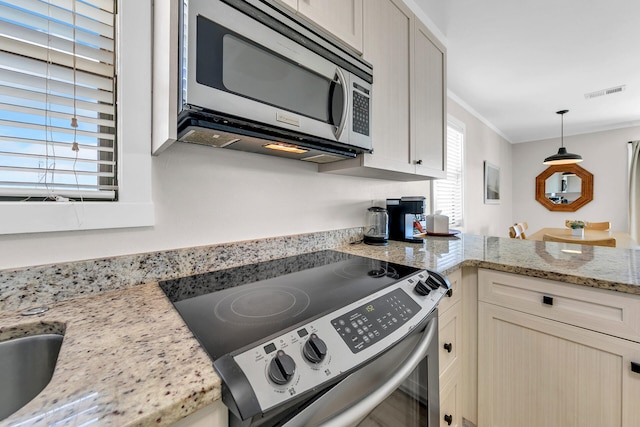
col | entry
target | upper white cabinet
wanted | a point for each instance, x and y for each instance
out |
(428, 99)
(387, 46)
(342, 18)
(409, 97)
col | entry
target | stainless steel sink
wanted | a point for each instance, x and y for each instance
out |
(26, 367)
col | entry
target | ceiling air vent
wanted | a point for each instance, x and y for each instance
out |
(604, 92)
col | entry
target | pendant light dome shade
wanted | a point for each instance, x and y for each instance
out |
(562, 157)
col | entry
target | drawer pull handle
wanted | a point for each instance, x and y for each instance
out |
(635, 367)
(547, 300)
(448, 419)
(448, 346)
(450, 293)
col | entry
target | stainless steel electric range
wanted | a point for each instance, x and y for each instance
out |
(317, 339)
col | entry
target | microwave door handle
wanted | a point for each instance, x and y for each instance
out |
(362, 408)
(345, 104)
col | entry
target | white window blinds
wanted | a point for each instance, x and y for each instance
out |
(448, 193)
(57, 99)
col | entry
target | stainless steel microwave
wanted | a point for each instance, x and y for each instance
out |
(254, 77)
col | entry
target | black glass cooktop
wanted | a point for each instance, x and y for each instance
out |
(230, 309)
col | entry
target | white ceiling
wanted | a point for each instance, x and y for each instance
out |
(518, 62)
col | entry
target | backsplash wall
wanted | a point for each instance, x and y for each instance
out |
(41, 285)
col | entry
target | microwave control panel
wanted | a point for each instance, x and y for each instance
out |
(361, 110)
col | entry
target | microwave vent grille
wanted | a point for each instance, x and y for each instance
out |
(322, 158)
(209, 138)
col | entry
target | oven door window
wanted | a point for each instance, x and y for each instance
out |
(228, 61)
(406, 406)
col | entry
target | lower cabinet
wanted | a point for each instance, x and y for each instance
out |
(450, 355)
(450, 399)
(537, 371)
(214, 415)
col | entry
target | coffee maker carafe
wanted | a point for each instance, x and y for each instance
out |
(406, 218)
(377, 228)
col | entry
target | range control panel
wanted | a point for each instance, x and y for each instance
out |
(370, 323)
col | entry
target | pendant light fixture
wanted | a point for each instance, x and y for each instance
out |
(562, 158)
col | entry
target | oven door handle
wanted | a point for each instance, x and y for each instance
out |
(360, 409)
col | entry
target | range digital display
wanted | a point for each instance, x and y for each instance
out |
(368, 324)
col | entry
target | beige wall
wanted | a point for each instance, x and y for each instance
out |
(605, 156)
(204, 196)
(483, 143)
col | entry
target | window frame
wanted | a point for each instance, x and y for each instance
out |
(134, 207)
(461, 127)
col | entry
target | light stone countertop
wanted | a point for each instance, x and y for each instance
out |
(128, 359)
(596, 266)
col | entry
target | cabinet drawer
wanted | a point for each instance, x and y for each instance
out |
(452, 297)
(610, 312)
(450, 408)
(449, 337)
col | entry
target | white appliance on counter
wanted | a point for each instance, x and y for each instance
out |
(437, 223)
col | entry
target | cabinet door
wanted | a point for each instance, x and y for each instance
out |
(428, 99)
(450, 338)
(342, 18)
(215, 414)
(387, 45)
(450, 397)
(408, 145)
(539, 372)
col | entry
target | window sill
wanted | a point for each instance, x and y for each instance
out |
(40, 217)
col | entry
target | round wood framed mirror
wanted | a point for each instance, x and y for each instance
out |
(564, 188)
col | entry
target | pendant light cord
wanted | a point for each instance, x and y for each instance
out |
(562, 130)
(562, 113)
(562, 157)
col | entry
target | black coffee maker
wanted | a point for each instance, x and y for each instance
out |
(406, 218)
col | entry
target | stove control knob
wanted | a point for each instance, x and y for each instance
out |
(281, 368)
(314, 349)
(432, 282)
(421, 288)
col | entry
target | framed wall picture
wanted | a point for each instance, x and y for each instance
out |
(491, 183)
